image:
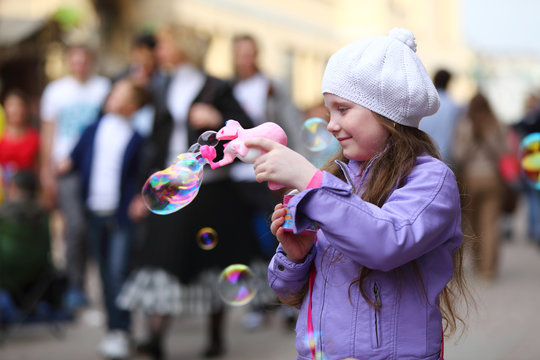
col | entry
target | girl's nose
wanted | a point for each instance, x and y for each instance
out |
(332, 126)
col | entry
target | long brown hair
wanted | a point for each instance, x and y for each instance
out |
(482, 118)
(388, 171)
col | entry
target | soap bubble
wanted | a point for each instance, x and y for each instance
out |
(315, 135)
(169, 190)
(192, 161)
(530, 159)
(207, 238)
(237, 285)
(312, 338)
(208, 138)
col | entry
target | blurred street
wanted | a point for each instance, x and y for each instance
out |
(504, 326)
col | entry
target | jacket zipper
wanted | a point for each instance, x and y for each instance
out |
(319, 333)
(378, 303)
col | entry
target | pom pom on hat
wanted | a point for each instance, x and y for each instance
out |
(383, 74)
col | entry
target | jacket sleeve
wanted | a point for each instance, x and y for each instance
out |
(418, 217)
(78, 153)
(287, 278)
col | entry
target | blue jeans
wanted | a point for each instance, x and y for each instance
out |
(111, 245)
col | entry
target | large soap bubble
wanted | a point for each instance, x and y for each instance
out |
(169, 190)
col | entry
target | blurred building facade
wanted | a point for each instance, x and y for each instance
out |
(295, 37)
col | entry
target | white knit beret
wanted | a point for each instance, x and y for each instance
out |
(384, 75)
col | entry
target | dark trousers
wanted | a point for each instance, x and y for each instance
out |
(72, 208)
(112, 245)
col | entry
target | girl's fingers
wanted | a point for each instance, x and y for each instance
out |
(278, 213)
(279, 234)
(262, 143)
(276, 225)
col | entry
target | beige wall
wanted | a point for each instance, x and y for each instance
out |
(297, 37)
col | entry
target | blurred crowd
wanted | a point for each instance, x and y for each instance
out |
(97, 141)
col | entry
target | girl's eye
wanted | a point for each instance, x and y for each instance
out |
(341, 109)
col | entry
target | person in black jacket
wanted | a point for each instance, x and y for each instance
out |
(170, 266)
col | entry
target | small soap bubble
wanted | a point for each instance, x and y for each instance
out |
(207, 238)
(314, 134)
(530, 159)
(237, 285)
(173, 188)
(312, 339)
(208, 138)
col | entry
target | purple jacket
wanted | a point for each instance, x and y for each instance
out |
(420, 220)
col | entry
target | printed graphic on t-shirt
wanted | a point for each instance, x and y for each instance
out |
(73, 119)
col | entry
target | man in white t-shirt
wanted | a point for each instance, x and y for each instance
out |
(68, 106)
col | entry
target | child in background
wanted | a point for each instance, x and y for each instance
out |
(24, 240)
(380, 278)
(107, 158)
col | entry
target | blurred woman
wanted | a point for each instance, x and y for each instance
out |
(479, 142)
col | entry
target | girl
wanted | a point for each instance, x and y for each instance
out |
(374, 281)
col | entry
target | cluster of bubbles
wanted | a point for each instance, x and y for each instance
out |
(237, 284)
(173, 188)
(169, 190)
(530, 159)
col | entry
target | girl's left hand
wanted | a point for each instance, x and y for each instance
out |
(281, 165)
(296, 246)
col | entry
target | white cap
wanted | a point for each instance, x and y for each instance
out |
(384, 75)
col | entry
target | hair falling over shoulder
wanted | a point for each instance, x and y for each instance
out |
(387, 172)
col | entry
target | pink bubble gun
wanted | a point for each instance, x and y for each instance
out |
(236, 148)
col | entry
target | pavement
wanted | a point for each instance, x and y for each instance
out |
(503, 326)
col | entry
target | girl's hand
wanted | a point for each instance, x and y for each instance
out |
(281, 165)
(296, 246)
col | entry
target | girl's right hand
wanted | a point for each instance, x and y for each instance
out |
(296, 246)
(281, 164)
